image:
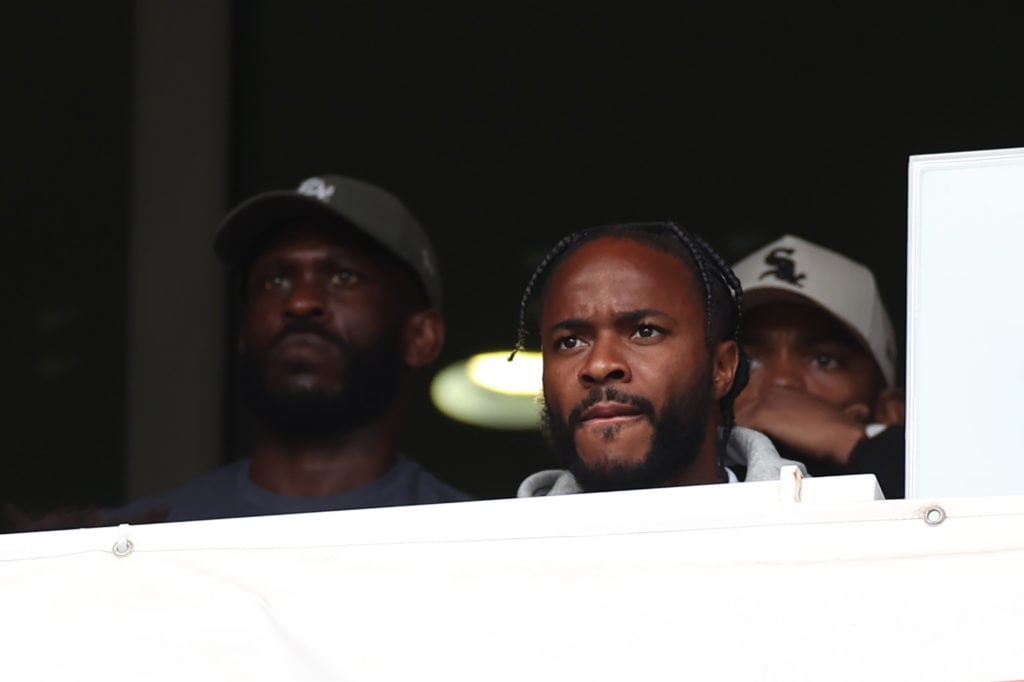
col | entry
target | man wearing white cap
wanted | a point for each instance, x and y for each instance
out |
(822, 348)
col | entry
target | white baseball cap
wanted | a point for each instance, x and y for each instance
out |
(791, 269)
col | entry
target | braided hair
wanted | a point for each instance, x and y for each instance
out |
(723, 294)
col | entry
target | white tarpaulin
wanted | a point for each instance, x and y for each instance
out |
(711, 582)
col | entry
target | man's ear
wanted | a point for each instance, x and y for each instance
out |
(724, 364)
(424, 337)
(891, 407)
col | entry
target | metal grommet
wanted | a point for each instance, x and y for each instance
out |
(122, 548)
(934, 515)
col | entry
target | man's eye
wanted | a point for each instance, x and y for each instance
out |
(826, 361)
(274, 282)
(647, 331)
(343, 277)
(567, 343)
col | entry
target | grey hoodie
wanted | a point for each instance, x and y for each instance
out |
(746, 447)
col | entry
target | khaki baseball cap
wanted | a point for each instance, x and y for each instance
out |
(368, 208)
(792, 269)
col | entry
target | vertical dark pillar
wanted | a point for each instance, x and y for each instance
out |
(179, 186)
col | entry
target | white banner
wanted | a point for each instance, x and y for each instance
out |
(712, 582)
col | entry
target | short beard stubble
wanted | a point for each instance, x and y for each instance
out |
(679, 433)
(371, 380)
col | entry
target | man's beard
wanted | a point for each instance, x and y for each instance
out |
(368, 386)
(679, 432)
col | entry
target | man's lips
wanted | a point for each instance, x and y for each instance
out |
(303, 343)
(609, 411)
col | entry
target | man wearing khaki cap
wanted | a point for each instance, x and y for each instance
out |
(823, 352)
(340, 300)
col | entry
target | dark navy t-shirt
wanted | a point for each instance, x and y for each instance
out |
(229, 492)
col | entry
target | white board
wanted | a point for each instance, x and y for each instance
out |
(712, 582)
(965, 324)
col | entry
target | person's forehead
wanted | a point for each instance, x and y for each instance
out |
(617, 267)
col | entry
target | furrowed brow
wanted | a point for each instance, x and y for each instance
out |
(633, 316)
(572, 324)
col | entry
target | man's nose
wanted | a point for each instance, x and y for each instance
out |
(604, 364)
(784, 372)
(306, 299)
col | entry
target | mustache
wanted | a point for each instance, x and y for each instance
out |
(307, 326)
(614, 395)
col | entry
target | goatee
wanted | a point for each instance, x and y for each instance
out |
(679, 432)
(369, 384)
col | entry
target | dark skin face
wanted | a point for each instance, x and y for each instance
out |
(312, 281)
(620, 314)
(813, 387)
(806, 349)
(319, 301)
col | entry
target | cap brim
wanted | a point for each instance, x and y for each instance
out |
(761, 295)
(764, 295)
(252, 221)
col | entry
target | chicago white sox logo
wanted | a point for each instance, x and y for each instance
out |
(783, 267)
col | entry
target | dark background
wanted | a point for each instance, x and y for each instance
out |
(503, 126)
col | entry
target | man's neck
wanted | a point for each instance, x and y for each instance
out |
(324, 465)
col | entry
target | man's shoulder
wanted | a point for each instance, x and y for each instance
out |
(410, 483)
(220, 483)
(213, 495)
(227, 492)
(756, 452)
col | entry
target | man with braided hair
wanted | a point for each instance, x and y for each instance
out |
(639, 327)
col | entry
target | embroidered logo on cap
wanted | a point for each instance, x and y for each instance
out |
(783, 267)
(316, 187)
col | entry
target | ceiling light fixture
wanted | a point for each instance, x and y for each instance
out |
(487, 390)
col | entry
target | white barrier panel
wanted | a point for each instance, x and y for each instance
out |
(965, 328)
(712, 582)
